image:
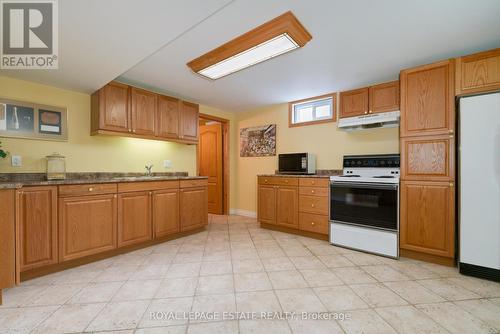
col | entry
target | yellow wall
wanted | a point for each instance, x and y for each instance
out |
(325, 140)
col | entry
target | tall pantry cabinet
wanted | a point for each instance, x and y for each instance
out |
(427, 142)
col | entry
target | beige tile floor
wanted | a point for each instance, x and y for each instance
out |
(235, 266)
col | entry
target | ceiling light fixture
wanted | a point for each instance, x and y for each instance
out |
(276, 37)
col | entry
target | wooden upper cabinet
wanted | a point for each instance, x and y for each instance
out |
(87, 225)
(189, 121)
(287, 206)
(110, 108)
(167, 117)
(427, 219)
(384, 97)
(193, 208)
(143, 111)
(478, 73)
(266, 211)
(36, 222)
(165, 212)
(354, 102)
(428, 99)
(134, 218)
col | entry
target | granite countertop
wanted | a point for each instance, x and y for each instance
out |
(18, 180)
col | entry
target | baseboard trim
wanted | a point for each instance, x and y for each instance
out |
(294, 231)
(245, 213)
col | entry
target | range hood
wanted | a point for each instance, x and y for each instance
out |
(379, 120)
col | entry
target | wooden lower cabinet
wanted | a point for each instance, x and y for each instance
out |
(266, 212)
(193, 208)
(165, 212)
(87, 225)
(7, 240)
(134, 218)
(287, 206)
(427, 217)
(36, 221)
(313, 223)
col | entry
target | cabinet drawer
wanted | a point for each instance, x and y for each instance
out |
(87, 189)
(147, 186)
(313, 223)
(314, 182)
(313, 191)
(279, 181)
(194, 183)
(313, 204)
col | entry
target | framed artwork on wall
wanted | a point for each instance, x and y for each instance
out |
(32, 121)
(258, 141)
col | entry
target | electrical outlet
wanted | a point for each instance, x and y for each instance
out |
(17, 161)
(167, 163)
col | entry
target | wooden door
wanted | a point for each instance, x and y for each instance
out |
(134, 218)
(428, 100)
(37, 225)
(7, 239)
(114, 107)
(189, 121)
(87, 225)
(266, 212)
(167, 117)
(210, 164)
(143, 111)
(384, 97)
(193, 208)
(354, 102)
(165, 212)
(478, 73)
(428, 158)
(287, 208)
(427, 218)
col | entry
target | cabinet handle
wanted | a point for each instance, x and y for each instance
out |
(114, 196)
(366, 112)
(133, 131)
(312, 191)
(451, 136)
(312, 205)
(313, 183)
(150, 193)
(129, 130)
(451, 184)
(370, 112)
(312, 223)
(91, 189)
(286, 181)
(265, 181)
(450, 131)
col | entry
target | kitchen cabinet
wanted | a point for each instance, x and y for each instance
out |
(193, 208)
(134, 218)
(36, 221)
(354, 102)
(478, 73)
(110, 108)
(165, 212)
(143, 111)
(266, 212)
(7, 240)
(427, 220)
(313, 223)
(167, 117)
(189, 113)
(287, 206)
(384, 97)
(428, 100)
(87, 225)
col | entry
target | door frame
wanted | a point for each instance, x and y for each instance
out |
(225, 158)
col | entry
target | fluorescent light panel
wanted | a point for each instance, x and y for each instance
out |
(269, 49)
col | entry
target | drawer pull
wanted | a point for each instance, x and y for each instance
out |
(313, 223)
(313, 183)
(91, 189)
(286, 181)
(312, 191)
(312, 205)
(265, 180)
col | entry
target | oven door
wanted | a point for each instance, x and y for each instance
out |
(374, 205)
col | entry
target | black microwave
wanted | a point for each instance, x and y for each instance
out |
(297, 163)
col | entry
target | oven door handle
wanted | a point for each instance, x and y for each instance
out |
(364, 185)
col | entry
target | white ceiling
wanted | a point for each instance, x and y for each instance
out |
(355, 43)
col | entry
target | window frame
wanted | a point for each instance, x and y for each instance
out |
(333, 96)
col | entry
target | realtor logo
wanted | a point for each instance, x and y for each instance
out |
(29, 34)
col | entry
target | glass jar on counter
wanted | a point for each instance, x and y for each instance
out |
(56, 167)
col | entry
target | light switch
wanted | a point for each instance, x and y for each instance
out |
(17, 161)
(167, 163)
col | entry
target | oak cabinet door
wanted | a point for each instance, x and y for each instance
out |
(165, 212)
(428, 100)
(167, 117)
(37, 225)
(114, 107)
(189, 121)
(384, 97)
(287, 208)
(354, 102)
(427, 217)
(134, 218)
(87, 225)
(8, 272)
(266, 211)
(478, 73)
(193, 208)
(428, 158)
(143, 112)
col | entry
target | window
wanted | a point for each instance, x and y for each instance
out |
(311, 111)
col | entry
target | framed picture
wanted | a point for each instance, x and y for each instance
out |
(258, 141)
(32, 121)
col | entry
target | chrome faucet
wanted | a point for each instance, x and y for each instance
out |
(148, 167)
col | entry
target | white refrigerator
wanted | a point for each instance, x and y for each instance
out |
(479, 186)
